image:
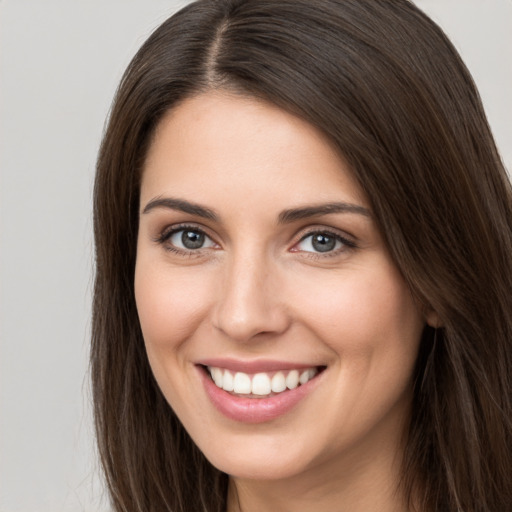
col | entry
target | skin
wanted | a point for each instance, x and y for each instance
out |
(258, 289)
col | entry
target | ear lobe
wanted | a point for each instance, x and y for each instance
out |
(432, 318)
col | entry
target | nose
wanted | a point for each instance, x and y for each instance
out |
(250, 300)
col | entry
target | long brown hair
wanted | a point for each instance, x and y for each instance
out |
(386, 86)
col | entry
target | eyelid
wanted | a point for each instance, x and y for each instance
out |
(322, 228)
(169, 229)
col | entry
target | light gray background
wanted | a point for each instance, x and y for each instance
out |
(60, 62)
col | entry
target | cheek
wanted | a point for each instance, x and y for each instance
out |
(363, 311)
(372, 325)
(170, 304)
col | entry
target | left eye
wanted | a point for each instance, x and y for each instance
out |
(190, 239)
(320, 242)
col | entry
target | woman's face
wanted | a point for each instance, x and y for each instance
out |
(259, 262)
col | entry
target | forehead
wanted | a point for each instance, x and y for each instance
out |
(218, 147)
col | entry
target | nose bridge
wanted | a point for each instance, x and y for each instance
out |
(249, 302)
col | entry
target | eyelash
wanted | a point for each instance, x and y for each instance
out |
(164, 237)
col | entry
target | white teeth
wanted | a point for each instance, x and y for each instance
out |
(292, 379)
(217, 375)
(260, 384)
(228, 381)
(304, 377)
(242, 383)
(278, 382)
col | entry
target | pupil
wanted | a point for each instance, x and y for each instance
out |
(192, 239)
(323, 243)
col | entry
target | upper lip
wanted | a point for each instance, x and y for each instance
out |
(254, 366)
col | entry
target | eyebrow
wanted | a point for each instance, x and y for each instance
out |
(285, 217)
(182, 206)
(305, 212)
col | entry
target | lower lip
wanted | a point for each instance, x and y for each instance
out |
(255, 410)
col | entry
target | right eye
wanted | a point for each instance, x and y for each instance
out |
(189, 239)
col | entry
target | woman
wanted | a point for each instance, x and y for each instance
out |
(303, 237)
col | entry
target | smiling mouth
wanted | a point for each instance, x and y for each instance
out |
(263, 384)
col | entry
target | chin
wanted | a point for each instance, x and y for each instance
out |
(262, 456)
(263, 468)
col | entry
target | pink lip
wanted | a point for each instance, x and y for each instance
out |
(255, 410)
(255, 366)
